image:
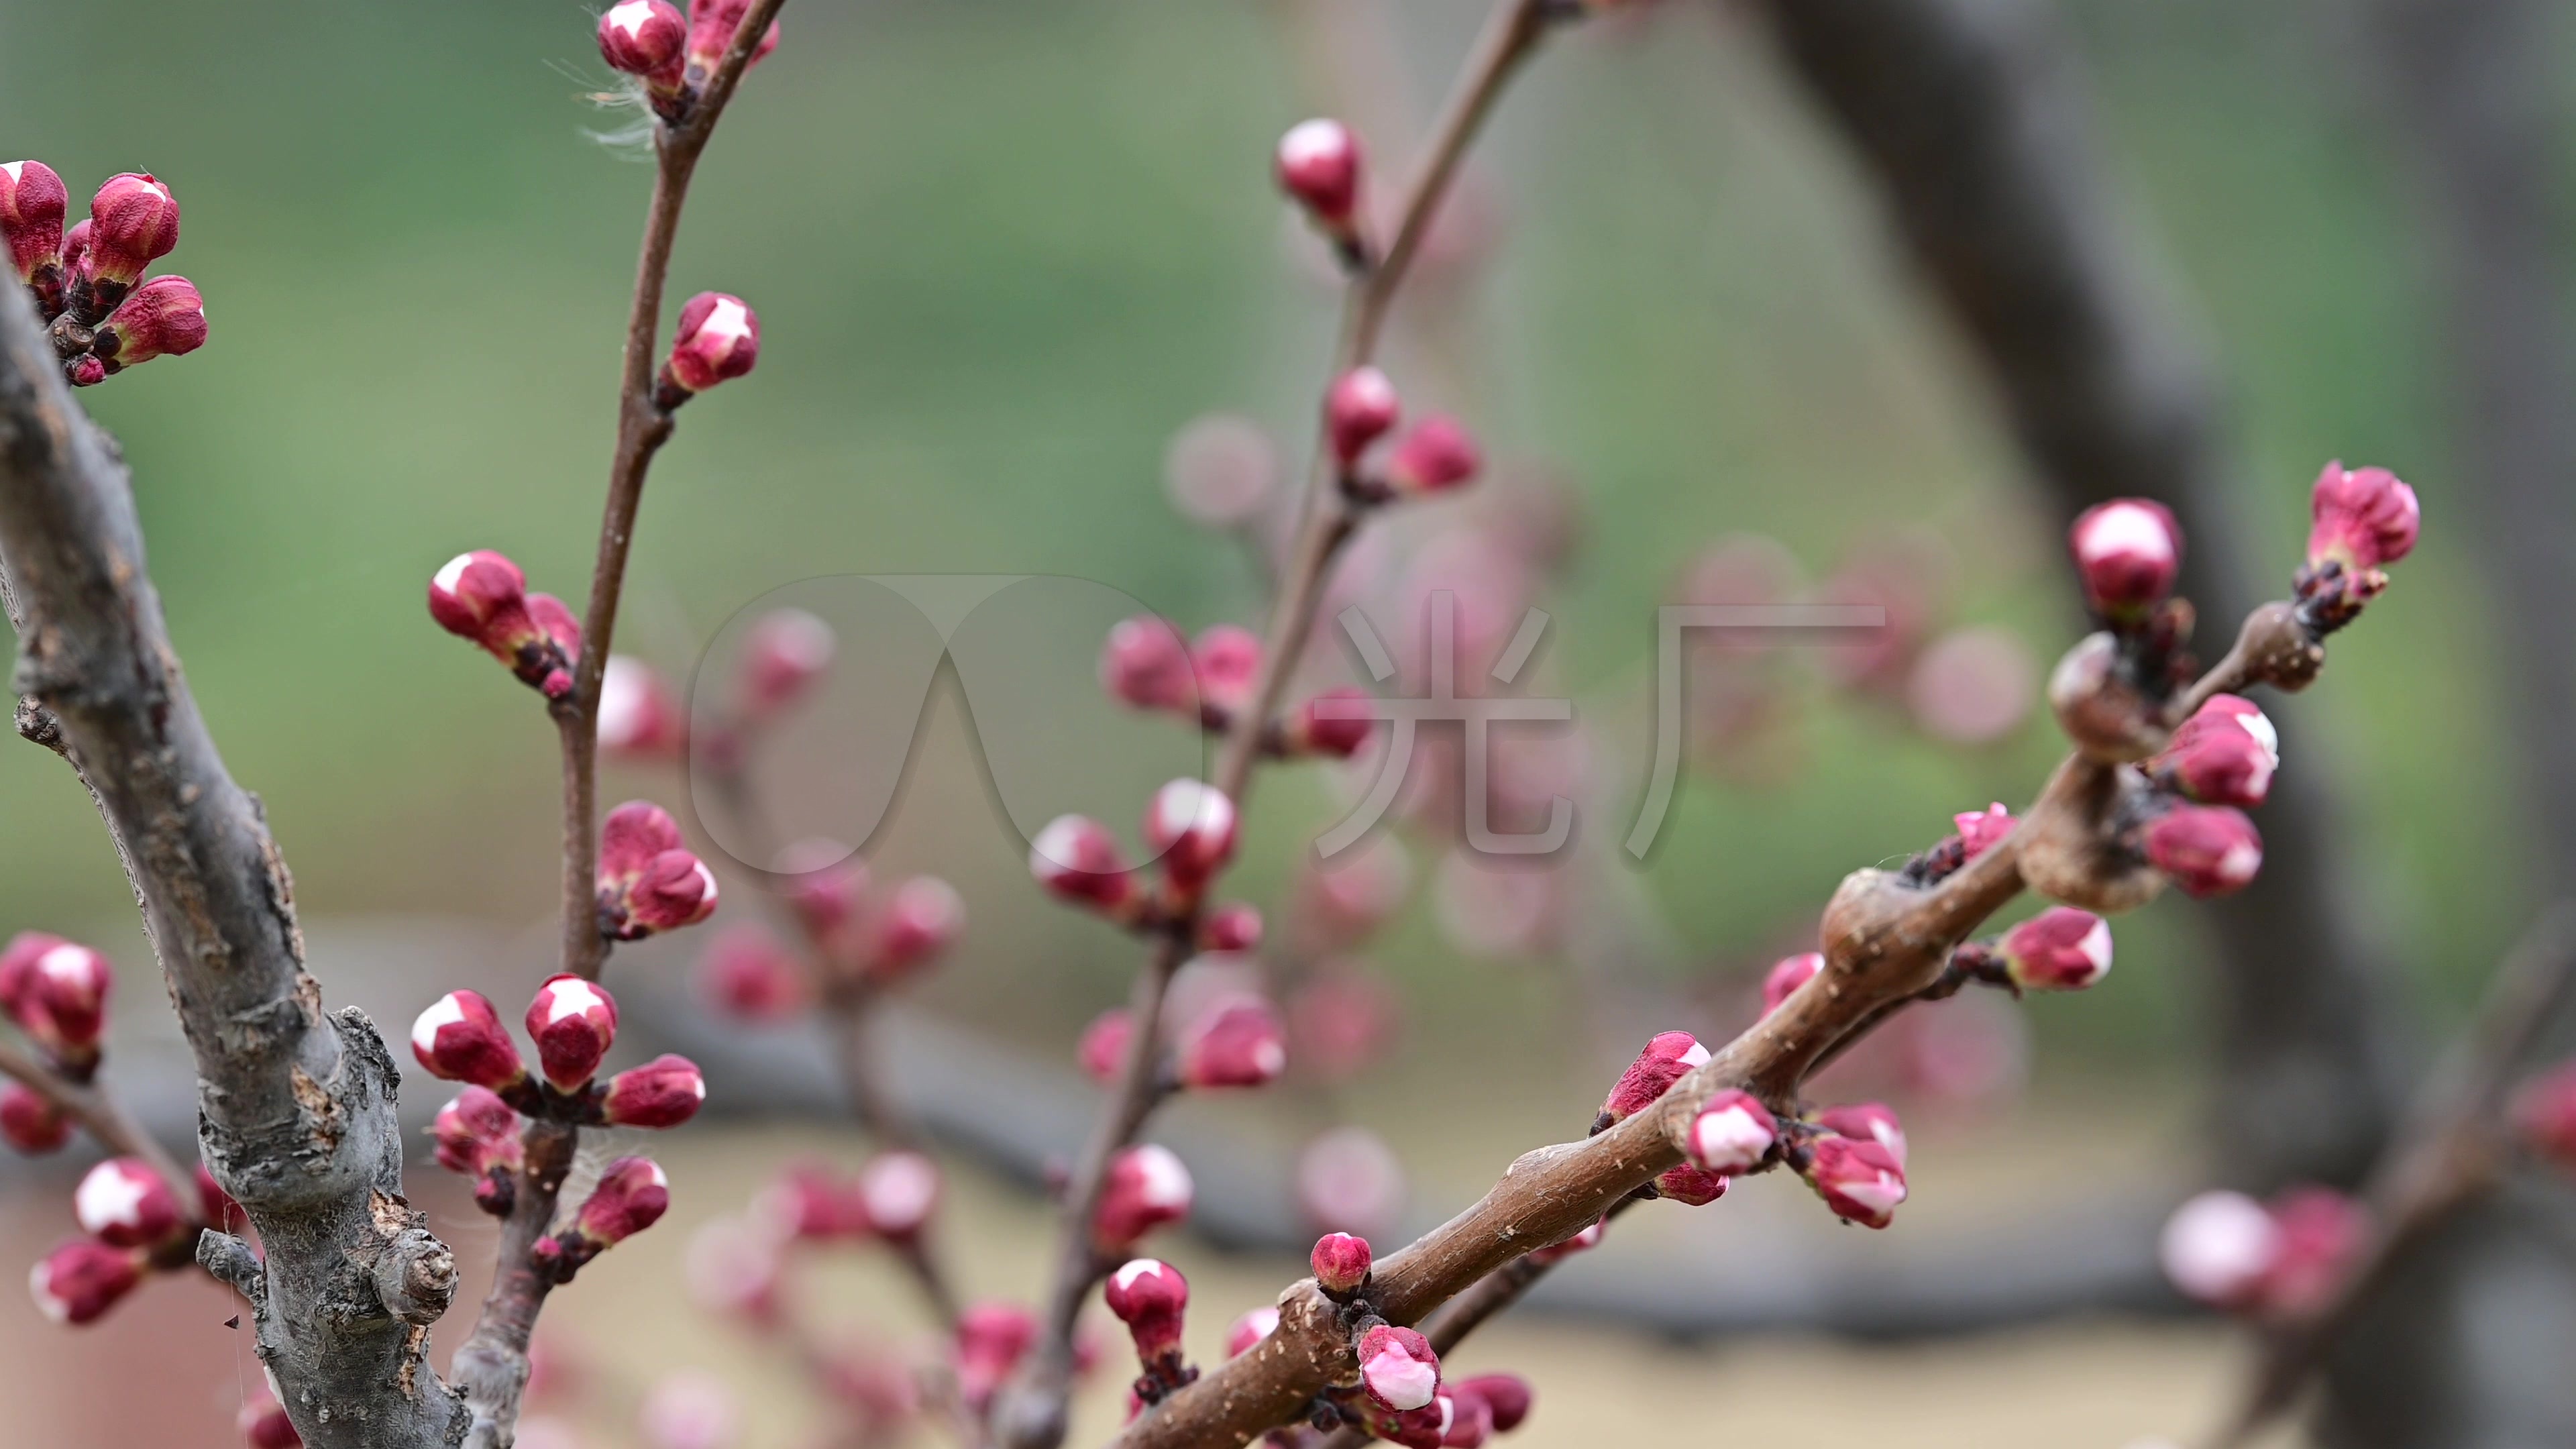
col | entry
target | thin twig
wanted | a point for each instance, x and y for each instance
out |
(105, 1119)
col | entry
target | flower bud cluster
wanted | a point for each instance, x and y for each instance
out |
(1150, 1296)
(1147, 665)
(631, 1195)
(2360, 521)
(649, 881)
(2268, 1260)
(55, 991)
(675, 55)
(482, 596)
(134, 1223)
(1437, 455)
(88, 282)
(1190, 827)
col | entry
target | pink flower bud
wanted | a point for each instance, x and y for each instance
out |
(992, 1338)
(78, 1282)
(574, 1022)
(1423, 1428)
(30, 1123)
(1359, 410)
(476, 1133)
(1867, 1122)
(1398, 1370)
(1191, 827)
(1146, 663)
(1507, 1395)
(1732, 1133)
(1145, 1188)
(632, 1195)
(663, 1092)
(85, 370)
(1149, 1296)
(732, 1267)
(690, 1410)
(830, 902)
(895, 1195)
(56, 991)
(2126, 554)
(783, 653)
(32, 204)
(1103, 1051)
(747, 974)
(1859, 1179)
(2224, 754)
(123, 1203)
(1245, 1332)
(1078, 860)
(1228, 660)
(134, 222)
(461, 1039)
(2362, 518)
(76, 249)
(639, 719)
(718, 339)
(1981, 830)
(2060, 949)
(2208, 850)
(1691, 1187)
(482, 596)
(1235, 926)
(647, 881)
(1239, 1044)
(1469, 1420)
(162, 318)
(1319, 166)
(712, 24)
(1341, 1263)
(2321, 1230)
(1582, 1242)
(1666, 1059)
(1438, 455)
(644, 38)
(1334, 723)
(264, 1425)
(922, 920)
(2544, 1111)
(2219, 1248)
(806, 1203)
(1786, 976)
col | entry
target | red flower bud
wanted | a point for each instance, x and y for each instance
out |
(1255, 1325)
(1145, 1187)
(30, 1123)
(895, 1195)
(647, 881)
(1980, 830)
(1235, 926)
(476, 1133)
(632, 1195)
(134, 222)
(264, 1425)
(2217, 1248)
(992, 1338)
(712, 24)
(829, 902)
(85, 370)
(2060, 949)
(2362, 518)
(922, 920)
(1691, 1187)
(2545, 1111)
(1359, 410)
(2126, 554)
(1666, 1059)
(1103, 1050)
(123, 1203)
(162, 318)
(1398, 1370)
(748, 975)
(1239, 1044)
(2320, 1229)
(806, 1203)
(639, 718)
(1438, 455)
(482, 596)
(1228, 660)
(663, 1092)
(461, 1039)
(76, 249)
(1469, 1421)
(1319, 165)
(1191, 827)
(1077, 859)
(56, 991)
(1507, 1395)
(1732, 1133)
(79, 1281)
(1582, 1242)
(1341, 1262)
(1860, 1180)
(718, 339)
(644, 38)
(32, 204)
(1786, 976)
(573, 1022)
(1146, 663)
(1150, 1297)
(1867, 1122)
(1336, 723)
(2224, 754)
(783, 653)
(2208, 850)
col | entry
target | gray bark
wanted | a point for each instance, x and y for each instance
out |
(295, 1106)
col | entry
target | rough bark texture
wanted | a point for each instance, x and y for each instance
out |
(296, 1107)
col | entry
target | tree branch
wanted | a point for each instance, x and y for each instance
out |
(104, 1118)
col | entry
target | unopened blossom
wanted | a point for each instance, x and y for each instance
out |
(33, 202)
(1859, 1179)
(1507, 1395)
(29, 1123)
(895, 1194)
(718, 339)
(2321, 1230)
(645, 38)
(134, 222)
(1232, 927)
(1981, 830)
(2208, 850)
(1690, 1186)
(573, 1022)
(1867, 1122)
(632, 1195)
(1227, 660)
(1191, 827)
(476, 1133)
(2060, 949)
(1103, 1048)
(1341, 1262)
(1254, 1325)
(123, 1203)
(56, 992)
(1788, 974)
(922, 919)
(1145, 663)
(482, 596)
(1078, 860)
(2127, 552)
(165, 317)
(649, 881)
(460, 1038)
(807, 1203)
(1437, 455)
(663, 1092)
(712, 26)
(79, 1281)
(1398, 1370)
(1358, 410)
(1335, 724)
(991, 1340)
(1239, 1044)
(1667, 1059)
(2225, 754)
(1318, 164)
(1149, 1296)
(1733, 1132)
(747, 973)
(690, 1410)
(639, 718)
(1143, 1188)
(2219, 1247)
(2362, 518)
(1340, 1020)
(783, 653)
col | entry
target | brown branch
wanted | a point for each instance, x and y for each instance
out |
(2451, 1152)
(1031, 1414)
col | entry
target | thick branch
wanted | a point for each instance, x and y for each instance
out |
(296, 1109)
